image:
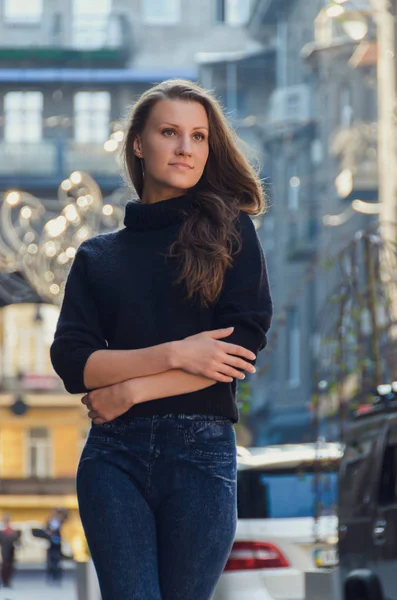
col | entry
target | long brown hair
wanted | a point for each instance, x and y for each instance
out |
(208, 237)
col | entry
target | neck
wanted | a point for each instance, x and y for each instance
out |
(141, 216)
(153, 193)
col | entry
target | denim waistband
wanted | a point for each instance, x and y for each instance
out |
(193, 417)
(122, 422)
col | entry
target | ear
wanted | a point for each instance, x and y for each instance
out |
(138, 147)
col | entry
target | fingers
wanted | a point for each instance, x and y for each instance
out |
(238, 350)
(92, 414)
(239, 363)
(96, 418)
(234, 373)
(220, 333)
(225, 374)
(220, 377)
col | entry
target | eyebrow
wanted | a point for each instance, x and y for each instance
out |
(177, 126)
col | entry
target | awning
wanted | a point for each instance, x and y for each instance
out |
(203, 58)
(99, 76)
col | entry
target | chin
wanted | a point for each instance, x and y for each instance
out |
(181, 182)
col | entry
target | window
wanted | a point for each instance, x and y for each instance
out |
(91, 117)
(294, 184)
(345, 107)
(355, 473)
(23, 121)
(39, 453)
(90, 23)
(161, 12)
(388, 478)
(267, 233)
(233, 12)
(267, 494)
(293, 347)
(23, 11)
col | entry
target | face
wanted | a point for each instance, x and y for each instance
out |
(174, 148)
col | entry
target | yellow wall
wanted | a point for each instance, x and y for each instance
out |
(66, 440)
(12, 451)
(66, 427)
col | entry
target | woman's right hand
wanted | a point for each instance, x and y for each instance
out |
(207, 355)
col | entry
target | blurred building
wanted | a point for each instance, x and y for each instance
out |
(42, 429)
(314, 120)
(70, 69)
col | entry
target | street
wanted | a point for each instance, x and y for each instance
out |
(31, 585)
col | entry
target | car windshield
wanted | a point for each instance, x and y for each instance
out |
(286, 494)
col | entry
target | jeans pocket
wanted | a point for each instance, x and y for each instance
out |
(100, 441)
(211, 439)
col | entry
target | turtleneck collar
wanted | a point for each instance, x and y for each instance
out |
(139, 217)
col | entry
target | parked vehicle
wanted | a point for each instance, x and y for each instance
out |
(368, 502)
(287, 497)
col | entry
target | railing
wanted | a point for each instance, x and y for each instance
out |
(63, 31)
(301, 243)
(356, 149)
(56, 158)
(38, 486)
(91, 32)
(31, 383)
(27, 159)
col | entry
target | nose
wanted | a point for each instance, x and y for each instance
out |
(184, 148)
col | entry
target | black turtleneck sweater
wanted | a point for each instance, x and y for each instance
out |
(121, 295)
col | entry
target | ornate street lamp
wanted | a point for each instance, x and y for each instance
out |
(43, 248)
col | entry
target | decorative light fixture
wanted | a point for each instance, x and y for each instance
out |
(353, 20)
(42, 244)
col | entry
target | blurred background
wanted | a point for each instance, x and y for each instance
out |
(309, 86)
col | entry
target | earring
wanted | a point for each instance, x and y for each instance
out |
(138, 153)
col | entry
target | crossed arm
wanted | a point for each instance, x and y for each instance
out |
(160, 371)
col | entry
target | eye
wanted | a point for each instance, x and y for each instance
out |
(199, 136)
(168, 132)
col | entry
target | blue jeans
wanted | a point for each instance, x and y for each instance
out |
(157, 499)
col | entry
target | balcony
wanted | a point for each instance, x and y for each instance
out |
(301, 242)
(356, 149)
(48, 162)
(331, 33)
(36, 486)
(27, 159)
(266, 13)
(87, 41)
(289, 111)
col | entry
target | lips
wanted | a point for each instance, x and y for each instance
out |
(181, 166)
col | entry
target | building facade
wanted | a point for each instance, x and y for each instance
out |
(318, 134)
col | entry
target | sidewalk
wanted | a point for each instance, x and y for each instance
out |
(31, 585)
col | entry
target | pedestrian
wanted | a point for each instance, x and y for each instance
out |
(9, 538)
(158, 322)
(54, 549)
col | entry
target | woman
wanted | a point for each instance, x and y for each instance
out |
(158, 322)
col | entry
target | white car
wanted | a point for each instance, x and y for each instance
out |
(287, 523)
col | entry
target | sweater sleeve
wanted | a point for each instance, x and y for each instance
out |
(245, 302)
(79, 332)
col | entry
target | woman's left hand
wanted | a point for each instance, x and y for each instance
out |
(108, 403)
